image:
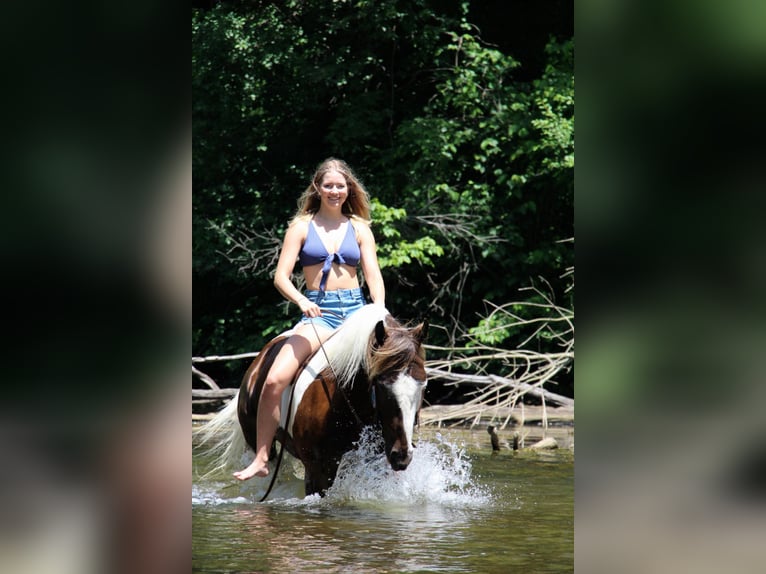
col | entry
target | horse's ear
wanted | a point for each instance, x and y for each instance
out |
(421, 331)
(380, 333)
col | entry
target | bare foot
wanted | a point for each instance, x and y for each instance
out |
(256, 468)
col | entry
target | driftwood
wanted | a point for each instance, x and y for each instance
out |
(207, 379)
(213, 358)
(213, 393)
(211, 398)
(495, 380)
(546, 443)
(525, 370)
(473, 415)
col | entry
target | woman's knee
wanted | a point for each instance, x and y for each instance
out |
(276, 381)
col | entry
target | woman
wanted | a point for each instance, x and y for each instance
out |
(330, 235)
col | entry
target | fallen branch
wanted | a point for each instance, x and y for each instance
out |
(207, 379)
(212, 358)
(496, 380)
(521, 414)
(213, 394)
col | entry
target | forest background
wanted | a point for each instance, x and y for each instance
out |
(459, 119)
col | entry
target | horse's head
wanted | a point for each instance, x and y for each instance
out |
(398, 380)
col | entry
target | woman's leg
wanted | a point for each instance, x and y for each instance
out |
(297, 348)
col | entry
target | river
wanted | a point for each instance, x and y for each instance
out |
(459, 507)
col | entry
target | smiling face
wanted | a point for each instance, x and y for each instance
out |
(333, 190)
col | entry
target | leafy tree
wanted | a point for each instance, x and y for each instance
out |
(491, 174)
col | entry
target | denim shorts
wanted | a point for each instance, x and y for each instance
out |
(340, 304)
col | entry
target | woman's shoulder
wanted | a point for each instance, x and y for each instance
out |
(300, 221)
(361, 227)
(299, 226)
(358, 223)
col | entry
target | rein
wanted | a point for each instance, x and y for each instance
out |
(281, 446)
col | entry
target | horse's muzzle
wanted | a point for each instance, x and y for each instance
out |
(399, 459)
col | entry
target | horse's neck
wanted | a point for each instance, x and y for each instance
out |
(347, 348)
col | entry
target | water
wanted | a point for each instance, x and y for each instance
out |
(457, 508)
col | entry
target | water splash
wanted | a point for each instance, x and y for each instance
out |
(439, 473)
(212, 496)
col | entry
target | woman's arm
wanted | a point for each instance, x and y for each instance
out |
(291, 247)
(370, 266)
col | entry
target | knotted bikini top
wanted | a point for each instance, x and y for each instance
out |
(314, 252)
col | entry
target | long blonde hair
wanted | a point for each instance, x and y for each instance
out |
(357, 204)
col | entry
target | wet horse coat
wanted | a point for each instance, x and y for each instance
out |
(375, 375)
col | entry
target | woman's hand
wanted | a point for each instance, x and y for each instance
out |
(309, 309)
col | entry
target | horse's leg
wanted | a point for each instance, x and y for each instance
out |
(308, 480)
(318, 437)
(316, 480)
(292, 354)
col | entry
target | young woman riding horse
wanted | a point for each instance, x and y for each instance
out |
(330, 235)
(370, 372)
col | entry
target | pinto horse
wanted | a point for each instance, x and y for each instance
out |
(371, 371)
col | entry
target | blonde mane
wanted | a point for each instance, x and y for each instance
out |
(348, 347)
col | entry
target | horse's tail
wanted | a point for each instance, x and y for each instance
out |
(221, 438)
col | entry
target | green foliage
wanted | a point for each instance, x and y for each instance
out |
(500, 153)
(394, 250)
(492, 330)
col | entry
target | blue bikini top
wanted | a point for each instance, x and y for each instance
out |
(314, 252)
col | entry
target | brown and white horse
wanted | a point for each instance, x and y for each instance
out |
(375, 377)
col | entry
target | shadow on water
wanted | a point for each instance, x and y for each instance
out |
(457, 508)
